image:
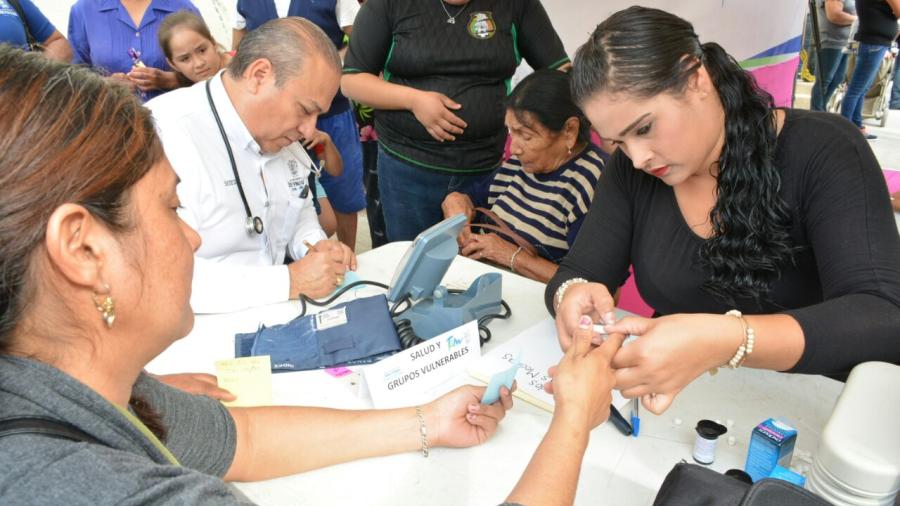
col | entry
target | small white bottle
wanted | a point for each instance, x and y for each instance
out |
(708, 433)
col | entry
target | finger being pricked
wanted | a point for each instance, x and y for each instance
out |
(634, 325)
(583, 343)
(581, 339)
(571, 313)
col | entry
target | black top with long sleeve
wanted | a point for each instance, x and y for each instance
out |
(877, 22)
(844, 289)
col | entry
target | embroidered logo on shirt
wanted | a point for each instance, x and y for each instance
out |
(481, 25)
(298, 187)
(297, 183)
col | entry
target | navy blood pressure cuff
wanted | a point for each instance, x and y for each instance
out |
(357, 332)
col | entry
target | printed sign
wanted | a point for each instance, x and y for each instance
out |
(426, 371)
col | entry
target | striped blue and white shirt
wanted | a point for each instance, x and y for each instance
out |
(545, 209)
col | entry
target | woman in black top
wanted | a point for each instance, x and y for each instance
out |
(781, 214)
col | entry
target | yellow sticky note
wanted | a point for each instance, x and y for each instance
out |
(248, 378)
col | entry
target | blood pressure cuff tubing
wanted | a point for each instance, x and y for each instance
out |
(357, 332)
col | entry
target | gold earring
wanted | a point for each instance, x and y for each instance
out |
(106, 307)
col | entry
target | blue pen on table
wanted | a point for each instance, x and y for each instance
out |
(619, 421)
(635, 416)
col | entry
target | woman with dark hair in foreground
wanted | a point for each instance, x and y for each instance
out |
(95, 279)
(723, 203)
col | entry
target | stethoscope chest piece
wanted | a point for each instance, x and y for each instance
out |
(254, 224)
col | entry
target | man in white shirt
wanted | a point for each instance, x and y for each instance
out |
(268, 99)
(345, 192)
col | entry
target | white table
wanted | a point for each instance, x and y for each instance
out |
(616, 471)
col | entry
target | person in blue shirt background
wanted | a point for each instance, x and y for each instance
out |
(12, 30)
(115, 35)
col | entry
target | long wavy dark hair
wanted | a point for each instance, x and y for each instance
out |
(643, 52)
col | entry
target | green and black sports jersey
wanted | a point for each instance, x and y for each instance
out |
(471, 61)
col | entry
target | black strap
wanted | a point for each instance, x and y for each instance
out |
(32, 43)
(237, 178)
(44, 427)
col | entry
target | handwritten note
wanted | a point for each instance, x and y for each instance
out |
(248, 378)
(536, 348)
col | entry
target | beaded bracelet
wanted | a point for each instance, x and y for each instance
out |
(422, 431)
(561, 291)
(746, 347)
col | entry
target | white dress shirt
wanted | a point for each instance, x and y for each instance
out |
(345, 12)
(235, 269)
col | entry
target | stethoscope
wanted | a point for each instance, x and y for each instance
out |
(254, 224)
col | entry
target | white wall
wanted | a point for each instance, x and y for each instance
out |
(744, 28)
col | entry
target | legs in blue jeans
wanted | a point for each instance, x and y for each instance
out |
(411, 196)
(374, 212)
(895, 91)
(834, 65)
(868, 60)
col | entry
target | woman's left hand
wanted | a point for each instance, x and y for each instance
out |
(149, 78)
(489, 247)
(458, 419)
(670, 352)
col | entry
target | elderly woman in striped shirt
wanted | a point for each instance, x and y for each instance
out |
(539, 196)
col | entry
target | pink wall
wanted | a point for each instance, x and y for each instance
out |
(778, 79)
